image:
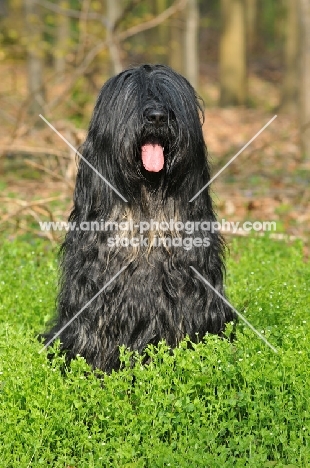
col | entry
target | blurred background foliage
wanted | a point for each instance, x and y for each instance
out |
(248, 59)
(84, 42)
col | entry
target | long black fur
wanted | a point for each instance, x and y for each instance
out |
(157, 296)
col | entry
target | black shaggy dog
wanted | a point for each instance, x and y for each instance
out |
(145, 138)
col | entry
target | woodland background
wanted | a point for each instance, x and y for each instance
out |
(248, 59)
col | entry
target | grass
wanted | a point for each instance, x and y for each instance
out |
(217, 405)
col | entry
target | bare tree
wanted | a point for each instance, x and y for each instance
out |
(113, 13)
(62, 42)
(162, 5)
(34, 56)
(233, 81)
(191, 42)
(3, 8)
(291, 52)
(176, 41)
(87, 57)
(251, 23)
(304, 15)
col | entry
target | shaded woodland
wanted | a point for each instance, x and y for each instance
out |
(248, 59)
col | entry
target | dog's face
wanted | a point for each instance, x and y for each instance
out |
(147, 123)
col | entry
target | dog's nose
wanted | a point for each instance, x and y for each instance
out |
(156, 117)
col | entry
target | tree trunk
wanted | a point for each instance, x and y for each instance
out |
(233, 54)
(304, 102)
(34, 57)
(291, 51)
(3, 8)
(62, 43)
(251, 24)
(161, 34)
(113, 13)
(162, 5)
(191, 43)
(176, 41)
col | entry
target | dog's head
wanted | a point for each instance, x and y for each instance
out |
(146, 128)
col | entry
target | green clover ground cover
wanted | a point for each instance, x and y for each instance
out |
(217, 405)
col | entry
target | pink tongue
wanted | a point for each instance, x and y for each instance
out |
(152, 157)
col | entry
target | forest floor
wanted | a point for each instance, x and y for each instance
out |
(267, 182)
